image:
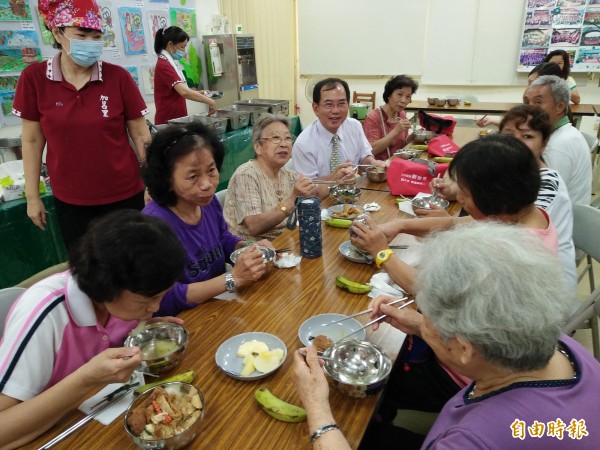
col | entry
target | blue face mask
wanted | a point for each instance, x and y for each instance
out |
(85, 52)
(178, 55)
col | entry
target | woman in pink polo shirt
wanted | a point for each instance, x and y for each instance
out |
(83, 110)
(64, 336)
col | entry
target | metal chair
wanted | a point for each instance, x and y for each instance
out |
(364, 98)
(7, 298)
(586, 221)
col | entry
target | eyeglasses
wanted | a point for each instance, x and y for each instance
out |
(343, 104)
(276, 140)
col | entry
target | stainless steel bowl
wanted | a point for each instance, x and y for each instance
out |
(376, 174)
(268, 255)
(162, 345)
(408, 154)
(428, 202)
(181, 439)
(361, 383)
(431, 100)
(421, 136)
(440, 101)
(453, 101)
(345, 193)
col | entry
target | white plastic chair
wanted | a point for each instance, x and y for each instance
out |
(586, 222)
(7, 298)
(221, 197)
(592, 142)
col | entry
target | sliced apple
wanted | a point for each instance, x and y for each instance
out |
(248, 366)
(250, 347)
(268, 361)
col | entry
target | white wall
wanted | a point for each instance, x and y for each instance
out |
(205, 9)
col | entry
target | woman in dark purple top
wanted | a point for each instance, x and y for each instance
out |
(182, 174)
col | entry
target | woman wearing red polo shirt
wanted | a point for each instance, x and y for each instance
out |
(82, 109)
(170, 87)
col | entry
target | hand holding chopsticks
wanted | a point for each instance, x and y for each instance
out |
(360, 313)
(383, 316)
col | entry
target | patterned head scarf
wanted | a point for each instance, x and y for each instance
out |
(71, 13)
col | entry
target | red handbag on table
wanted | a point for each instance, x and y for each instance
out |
(437, 124)
(442, 146)
(411, 176)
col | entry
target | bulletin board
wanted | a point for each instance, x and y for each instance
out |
(570, 25)
(129, 27)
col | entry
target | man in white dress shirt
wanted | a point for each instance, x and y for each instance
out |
(332, 146)
(567, 151)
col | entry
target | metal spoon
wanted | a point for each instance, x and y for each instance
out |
(349, 365)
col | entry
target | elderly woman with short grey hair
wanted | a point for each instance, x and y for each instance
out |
(262, 192)
(492, 301)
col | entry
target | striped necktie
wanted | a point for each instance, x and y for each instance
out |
(335, 153)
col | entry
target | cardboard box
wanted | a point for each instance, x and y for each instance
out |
(12, 181)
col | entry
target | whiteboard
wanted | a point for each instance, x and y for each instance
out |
(358, 37)
(457, 42)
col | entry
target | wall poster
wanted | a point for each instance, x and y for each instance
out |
(570, 25)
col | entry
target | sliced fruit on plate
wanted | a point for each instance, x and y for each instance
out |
(253, 346)
(268, 361)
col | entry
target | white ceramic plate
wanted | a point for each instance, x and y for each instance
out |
(350, 252)
(318, 325)
(229, 362)
(339, 208)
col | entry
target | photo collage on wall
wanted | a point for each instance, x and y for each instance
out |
(570, 25)
(129, 27)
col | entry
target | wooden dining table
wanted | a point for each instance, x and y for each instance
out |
(494, 108)
(277, 304)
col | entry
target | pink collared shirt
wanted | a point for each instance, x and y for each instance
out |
(51, 331)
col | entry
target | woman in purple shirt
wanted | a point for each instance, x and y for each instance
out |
(182, 174)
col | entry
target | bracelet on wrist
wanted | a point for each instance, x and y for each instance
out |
(321, 431)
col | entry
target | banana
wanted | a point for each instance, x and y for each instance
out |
(419, 147)
(339, 223)
(352, 286)
(442, 159)
(277, 408)
(185, 377)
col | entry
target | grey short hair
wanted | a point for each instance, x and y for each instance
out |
(498, 287)
(264, 121)
(558, 87)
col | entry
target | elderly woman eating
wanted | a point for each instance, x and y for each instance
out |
(492, 302)
(497, 178)
(262, 192)
(182, 174)
(387, 127)
(64, 336)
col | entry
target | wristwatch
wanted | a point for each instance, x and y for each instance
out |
(229, 282)
(383, 256)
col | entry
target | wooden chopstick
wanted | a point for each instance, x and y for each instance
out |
(362, 312)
